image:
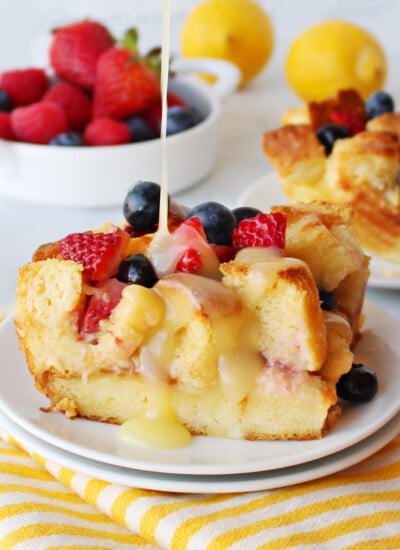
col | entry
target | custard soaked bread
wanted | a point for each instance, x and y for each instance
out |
(332, 151)
(244, 351)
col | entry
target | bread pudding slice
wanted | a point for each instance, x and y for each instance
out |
(248, 354)
(361, 171)
(319, 233)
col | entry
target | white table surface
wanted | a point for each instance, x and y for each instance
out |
(240, 162)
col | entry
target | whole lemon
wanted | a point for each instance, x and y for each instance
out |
(239, 31)
(335, 55)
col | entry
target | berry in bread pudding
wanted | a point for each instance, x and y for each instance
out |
(345, 150)
(234, 337)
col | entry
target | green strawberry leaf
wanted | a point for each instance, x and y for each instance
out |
(130, 40)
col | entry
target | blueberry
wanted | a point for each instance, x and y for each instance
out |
(180, 118)
(245, 212)
(329, 133)
(218, 221)
(137, 269)
(142, 205)
(5, 101)
(327, 299)
(359, 385)
(378, 103)
(69, 139)
(140, 129)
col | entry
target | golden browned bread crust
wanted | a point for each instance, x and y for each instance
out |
(290, 145)
(377, 222)
(386, 122)
(320, 234)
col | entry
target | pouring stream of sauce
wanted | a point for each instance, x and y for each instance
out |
(158, 426)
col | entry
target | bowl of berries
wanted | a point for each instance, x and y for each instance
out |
(80, 133)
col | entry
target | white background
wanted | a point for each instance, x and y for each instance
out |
(25, 23)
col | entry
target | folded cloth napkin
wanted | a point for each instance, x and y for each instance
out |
(46, 506)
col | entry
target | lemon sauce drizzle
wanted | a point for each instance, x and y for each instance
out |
(157, 426)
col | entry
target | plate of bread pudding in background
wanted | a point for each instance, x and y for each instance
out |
(344, 150)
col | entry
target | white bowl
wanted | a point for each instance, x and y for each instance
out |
(101, 176)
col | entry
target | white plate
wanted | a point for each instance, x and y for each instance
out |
(379, 348)
(258, 481)
(267, 192)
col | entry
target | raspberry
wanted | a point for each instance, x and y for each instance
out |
(38, 123)
(6, 131)
(106, 131)
(75, 50)
(263, 230)
(99, 253)
(189, 262)
(73, 101)
(24, 86)
(353, 122)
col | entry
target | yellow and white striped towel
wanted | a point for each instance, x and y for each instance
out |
(46, 506)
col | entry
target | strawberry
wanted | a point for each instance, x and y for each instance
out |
(353, 122)
(24, 86)
(196, 224)
(124, 85)
(38, 123)
(263, 230)
(106, 131)
(106, 296)
(75, 49)
(6, 131)
(153, 114)
(189, 262)
(75, 103)
(192, 251)
(99, 253)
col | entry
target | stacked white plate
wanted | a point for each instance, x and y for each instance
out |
(208, 465)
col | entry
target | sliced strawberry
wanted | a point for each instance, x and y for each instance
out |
(195, 222)
(189, 262)
(353, 122)
(107, 295)
(263, 230)
(188, 236)
(99, 253)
